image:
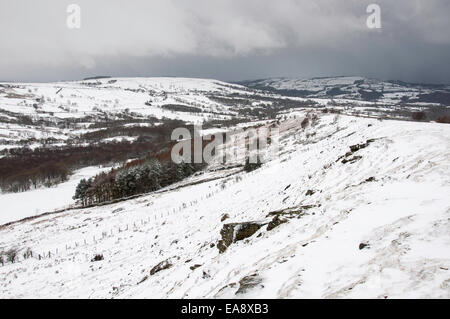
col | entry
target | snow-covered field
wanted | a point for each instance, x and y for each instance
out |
(371, 221)
(15, 206)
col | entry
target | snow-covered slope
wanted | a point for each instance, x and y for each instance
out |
(361, 209)
(36, 111)
(60, 113)
(76, 99)
(357, 88)
(37, 201)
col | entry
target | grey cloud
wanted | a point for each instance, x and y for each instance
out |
(225, 39)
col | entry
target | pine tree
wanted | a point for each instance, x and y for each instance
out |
(82, 190)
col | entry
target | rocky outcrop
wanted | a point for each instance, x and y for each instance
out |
(282, 216)
(234, 232)
(275, 222)
(310, 192)
(165, 264)
(249, 282)
(351, 160)
(357, 147)
(353, 149)
(195, 266)
(363, 246)
(291, 212)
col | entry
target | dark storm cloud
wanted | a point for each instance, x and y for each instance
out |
(230, 40)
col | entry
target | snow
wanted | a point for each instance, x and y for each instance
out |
(402, 214)
(120, 138)
(16, 206)
(350, 86)
(111, 97)
(147, 99)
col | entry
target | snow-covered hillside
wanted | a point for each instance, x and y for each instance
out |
(61, 113)
(35, 111)
(357, 88)
(352, 207)
(76, 99)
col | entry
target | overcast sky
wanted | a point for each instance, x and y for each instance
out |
(225, 39)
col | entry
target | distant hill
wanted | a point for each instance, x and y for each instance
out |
(355, 88)
(97, 77)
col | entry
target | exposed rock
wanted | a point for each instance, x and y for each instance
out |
(363, 245)
(357, 147)
(224, 217)
(351, 160)
(97, 257)
(234, 232)
(353, 149)
(165, 264)
(142, 280)
(309, 192)
(297, 211)
(275, 222)
(195, 266)
(248, 282)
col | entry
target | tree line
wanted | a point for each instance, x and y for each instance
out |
(24, 168)
(137, 177)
